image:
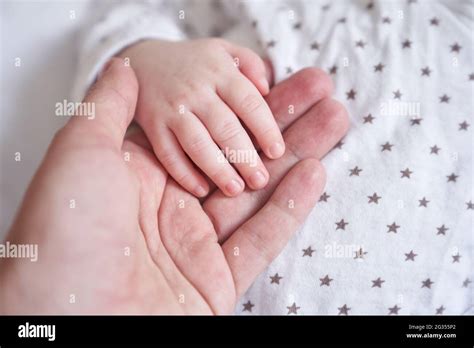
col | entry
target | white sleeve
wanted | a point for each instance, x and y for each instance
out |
(117, 27)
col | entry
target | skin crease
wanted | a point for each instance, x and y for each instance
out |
(174, 263)
(191, 98)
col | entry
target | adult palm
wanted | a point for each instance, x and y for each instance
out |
(117, 235)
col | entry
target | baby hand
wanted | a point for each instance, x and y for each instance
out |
(191, 97)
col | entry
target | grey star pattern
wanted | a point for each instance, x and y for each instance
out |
(308, 251)
(293, 309)
(370, 6)
(374, 198)
(369, 118)
(393, 228)
(455, 47)
(379, 67)
(351, 94)
(410, 256)
(342, 20)
(333, 70)
(456, 258)
(434, 149)
(440, 310)
(415, 121)
(470, 205)
(397, 94)
(463, 125)
(452, 177)
(324, 197)
(360, 44)
(427, 283)
(341, 225)
(406, 44)
(271, 43)
(425, 71)
(315, 46)
(377, 283)
(355, 171)
(434, 21)
(394, 310)
(359, 254)
(344, 310)
(326, 280)
(248, 307)
(444, 99)
(442, 230)
(275, 279)
(297, 26)
(466, 283)
(387, 146)
(386, 20)
(406, 173)
(423, 202)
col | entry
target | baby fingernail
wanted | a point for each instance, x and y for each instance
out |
(276, 150)
(234, 187)
(258, 179)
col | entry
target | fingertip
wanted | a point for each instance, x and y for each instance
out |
(234, 187)
(276, 150)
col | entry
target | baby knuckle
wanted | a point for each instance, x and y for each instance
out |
(197, 145)
(228, 131)
(251, 103)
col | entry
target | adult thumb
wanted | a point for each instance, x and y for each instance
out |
(110, 105)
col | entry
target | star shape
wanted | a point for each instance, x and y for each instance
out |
(324, 197)
(360, 44)
(434, 149)
(374, 198)
(393, 228)
(341, 225)
(344, 310)
(434, 21)
(470, 205)
(456, 257)
(342, 20)
(397, 94)
(455, 47)
(379, 67)
(308, 251)
(452, 177)
(248, 306)
(297, 26)
(360, 254)
(386, 20)
(326, 7)
(355, 171)
(406, 173)
(442, 230)
(427, 283)
(444, 99)
(339, 144)
(293, 309)
(440, 310)
(415, 121)
(394, 310)
(254, 23)
(466, 283)
(351, 94)
(423, 202)
(370, 6)
(463, 125)
(387, 146)
(425, 71)
(326, 280)
(315, 46)
(377, 283)
(406, 44)
(369, 118)
(333, 70)
(271, 43)
(471, 77)
(289, 70)
(275, 279)
(410, 256)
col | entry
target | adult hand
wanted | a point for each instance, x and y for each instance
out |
(134, 241)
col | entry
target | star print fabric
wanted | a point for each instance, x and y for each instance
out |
(393, 231)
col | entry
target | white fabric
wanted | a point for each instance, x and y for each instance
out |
(352, 279)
